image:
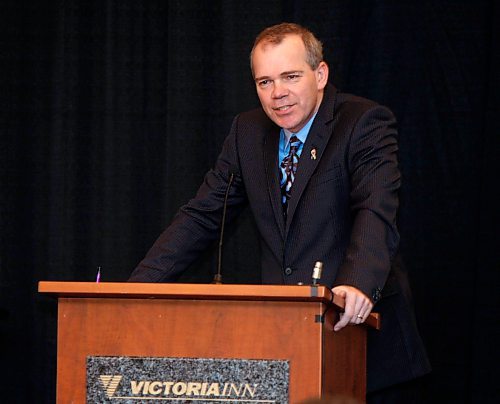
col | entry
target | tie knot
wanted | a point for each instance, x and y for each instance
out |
(294, 143)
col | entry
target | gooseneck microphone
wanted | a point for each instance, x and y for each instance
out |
(218, 276)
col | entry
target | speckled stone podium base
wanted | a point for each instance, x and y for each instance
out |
(184, 380)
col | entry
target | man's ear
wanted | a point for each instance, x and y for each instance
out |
(322, 75)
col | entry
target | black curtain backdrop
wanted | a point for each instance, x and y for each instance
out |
(112, 111)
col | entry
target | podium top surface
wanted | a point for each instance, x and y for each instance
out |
(129, 290)
(189, 291)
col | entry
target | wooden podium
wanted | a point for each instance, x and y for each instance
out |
(292, 323)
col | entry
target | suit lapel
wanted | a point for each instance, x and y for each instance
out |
(313, 149)
(271, 146)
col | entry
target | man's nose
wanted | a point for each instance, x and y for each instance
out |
(279, 89)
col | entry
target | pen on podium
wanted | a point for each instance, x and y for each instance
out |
(98, 278)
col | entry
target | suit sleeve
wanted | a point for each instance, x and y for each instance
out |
(197, 223)
(375, 181)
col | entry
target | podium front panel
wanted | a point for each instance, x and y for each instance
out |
(272, 330)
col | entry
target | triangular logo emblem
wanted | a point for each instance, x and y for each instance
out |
(110, 383)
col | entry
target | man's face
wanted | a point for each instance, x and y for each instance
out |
(289, 90)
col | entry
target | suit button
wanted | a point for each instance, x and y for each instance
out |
(376, 294)
(288, 271)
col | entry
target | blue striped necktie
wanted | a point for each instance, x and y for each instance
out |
(287, 173)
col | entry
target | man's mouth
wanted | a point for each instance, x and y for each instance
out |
(283, 108)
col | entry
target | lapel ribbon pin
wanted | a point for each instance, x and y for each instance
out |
(313, 154)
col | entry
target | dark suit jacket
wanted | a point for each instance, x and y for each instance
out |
(342, 212)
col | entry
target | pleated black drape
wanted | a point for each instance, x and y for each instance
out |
(112, 111)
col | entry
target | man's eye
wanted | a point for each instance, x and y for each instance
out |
(292, 77)
(264, 83)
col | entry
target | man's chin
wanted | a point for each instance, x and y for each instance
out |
(284, 123)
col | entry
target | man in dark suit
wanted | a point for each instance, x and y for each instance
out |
(319, 171)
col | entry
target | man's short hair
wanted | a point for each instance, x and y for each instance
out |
(276, 33)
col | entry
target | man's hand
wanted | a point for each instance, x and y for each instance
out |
(357, 306)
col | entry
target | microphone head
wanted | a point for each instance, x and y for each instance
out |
(233, 169)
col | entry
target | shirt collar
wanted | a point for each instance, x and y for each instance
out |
(301, 134)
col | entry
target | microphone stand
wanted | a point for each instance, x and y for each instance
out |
(218, 276)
